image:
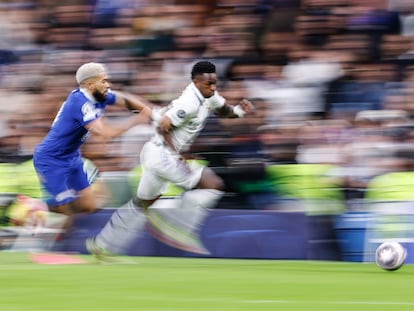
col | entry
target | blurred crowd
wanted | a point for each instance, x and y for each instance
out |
(331, 80)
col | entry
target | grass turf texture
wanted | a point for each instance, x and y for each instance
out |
(160, 283)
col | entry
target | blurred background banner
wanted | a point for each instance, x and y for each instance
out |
(231, 234)
(352, 236)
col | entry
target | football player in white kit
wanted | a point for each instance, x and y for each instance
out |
(177, 126)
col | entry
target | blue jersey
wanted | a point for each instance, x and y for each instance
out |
(68, 131)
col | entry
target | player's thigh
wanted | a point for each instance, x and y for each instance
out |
(80, 182)
(151, 185)
(210, 180)
(161, 167)
(86, 202)
(185, 174)
(155, 180)
(55, 180)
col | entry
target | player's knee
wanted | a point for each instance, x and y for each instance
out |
(84, 208)
(209, 180)
(140, 203)
(205, 198)
(90, 209)
(61, 209)
(218, 184)
(87, 208)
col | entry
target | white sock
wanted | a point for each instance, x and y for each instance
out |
(125, 225)
(188, 211)
(197, 202)
(205, 198)
(178, 221)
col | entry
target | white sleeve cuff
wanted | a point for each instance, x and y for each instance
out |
(238, 110)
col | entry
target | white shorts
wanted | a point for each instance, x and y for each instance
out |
(160, 166)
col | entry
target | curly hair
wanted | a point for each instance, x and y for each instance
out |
(202, 67)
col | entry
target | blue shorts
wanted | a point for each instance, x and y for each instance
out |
(63, 180)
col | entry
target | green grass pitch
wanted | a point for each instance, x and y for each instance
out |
(161, 283)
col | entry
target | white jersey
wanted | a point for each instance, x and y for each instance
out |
(188, 114)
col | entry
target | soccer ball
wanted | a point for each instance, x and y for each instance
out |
(390, 255)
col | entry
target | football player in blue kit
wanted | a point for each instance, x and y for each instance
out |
(58, 160)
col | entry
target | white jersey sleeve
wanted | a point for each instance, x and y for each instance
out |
(216, 101)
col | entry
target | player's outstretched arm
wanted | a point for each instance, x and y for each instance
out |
(106, 131)
(136, 104)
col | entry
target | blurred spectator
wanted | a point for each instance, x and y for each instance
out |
(364, 89)
(16, 37)
(373, 17)
(280, 142)
(369, 151)
(323, 141)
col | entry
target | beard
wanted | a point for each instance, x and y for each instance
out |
(99, 96)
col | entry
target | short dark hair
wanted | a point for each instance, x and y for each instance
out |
(202, 67)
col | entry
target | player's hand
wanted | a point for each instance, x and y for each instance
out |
(247, 106)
